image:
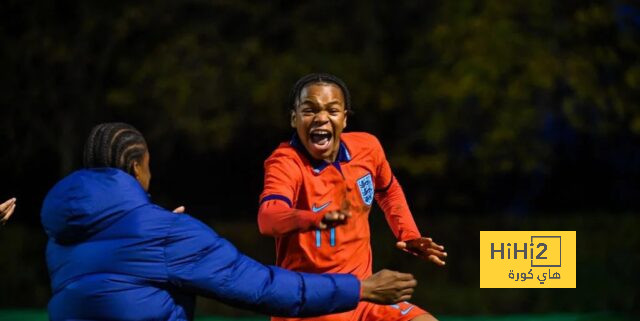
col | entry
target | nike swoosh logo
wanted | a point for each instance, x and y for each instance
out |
(404, 312)
(320, 208)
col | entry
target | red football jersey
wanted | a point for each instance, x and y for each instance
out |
(350, 183)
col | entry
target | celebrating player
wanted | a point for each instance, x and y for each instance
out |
(318, 191)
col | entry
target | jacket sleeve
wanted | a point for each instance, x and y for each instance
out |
(201, 262)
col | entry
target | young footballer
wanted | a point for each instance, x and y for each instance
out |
(319, 188)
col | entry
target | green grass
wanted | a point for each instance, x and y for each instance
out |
(40, 315)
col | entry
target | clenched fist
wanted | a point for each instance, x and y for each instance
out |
(388, 287)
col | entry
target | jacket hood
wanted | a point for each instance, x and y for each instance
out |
(88, 201)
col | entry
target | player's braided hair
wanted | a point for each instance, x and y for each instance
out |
(114, 145)
(294, 95)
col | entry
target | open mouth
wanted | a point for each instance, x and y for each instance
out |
(320, 137)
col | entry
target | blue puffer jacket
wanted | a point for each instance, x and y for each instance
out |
(113, 255)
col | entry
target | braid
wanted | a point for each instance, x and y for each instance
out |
(114, 145)
(294, 95)
(104, 151)
(87, 154)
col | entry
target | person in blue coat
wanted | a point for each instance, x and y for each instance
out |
(114, 255)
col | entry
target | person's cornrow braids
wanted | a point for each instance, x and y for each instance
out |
(114, 145)
(294, 94)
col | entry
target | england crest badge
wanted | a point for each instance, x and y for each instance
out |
(365, 185)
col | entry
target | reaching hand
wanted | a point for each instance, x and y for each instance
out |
(179, 210)
(333, 218)
(388, 287)
(425, 248)
(6, 209)
(339, 217)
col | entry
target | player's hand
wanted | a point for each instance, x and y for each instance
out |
(179, 210)
(334, 218)
(388, 287)
(426, 248)
(6, 210)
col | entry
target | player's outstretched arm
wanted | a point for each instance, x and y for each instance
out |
(426, 248)
(201, 262)
(396, 210)
(276, 218)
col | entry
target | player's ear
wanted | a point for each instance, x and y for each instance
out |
(344, 122)
(136, 169)
(293, 118)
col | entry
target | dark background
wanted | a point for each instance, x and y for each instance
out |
(495, 115)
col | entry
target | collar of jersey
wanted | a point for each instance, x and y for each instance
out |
(318, 164)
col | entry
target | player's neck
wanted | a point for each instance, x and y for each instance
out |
(334, 153)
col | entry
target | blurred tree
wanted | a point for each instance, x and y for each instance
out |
(481, 104)
(495, 78)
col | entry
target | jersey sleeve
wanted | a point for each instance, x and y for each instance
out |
(282, 179)
(396, 211)
(390, 196)
(276, 219)
(384, 175)
(201, 262)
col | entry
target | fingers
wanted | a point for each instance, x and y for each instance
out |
(408, 291)
(428, 242)
(8, 213)
(436, 260)
(404, 295)
(407, 288)
(404, 298)
(403, 246)
(435, 249)
(333, 218)
(425, 248)
(6, 210)
(4, 206)
(407, 277)
(405, 280)
(179, 209)
(425, 243)
(435, 252)
(434, 255)
(336, 216)
(437, 246)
